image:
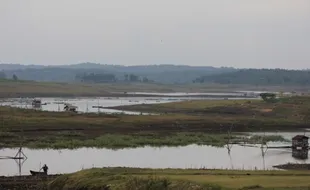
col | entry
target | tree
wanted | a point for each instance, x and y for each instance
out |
(96, 78)
(126, 76)
(133, 78)
(14, 77)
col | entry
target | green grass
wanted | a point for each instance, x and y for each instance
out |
(200, 122)
(145, 179)
(77, 140)
(268, 138)
(8, 135)
(11, 88)
(288, 107)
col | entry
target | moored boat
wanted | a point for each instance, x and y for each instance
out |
(35, 173)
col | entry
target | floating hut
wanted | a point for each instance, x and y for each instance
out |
(300, 142)
(300, 146)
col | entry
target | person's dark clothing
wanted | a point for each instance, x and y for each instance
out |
(45, 168)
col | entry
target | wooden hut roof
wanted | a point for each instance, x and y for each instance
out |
(300, 137)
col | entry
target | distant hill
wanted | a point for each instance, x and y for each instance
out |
(8, 66)
(259, 77)
(167, 74)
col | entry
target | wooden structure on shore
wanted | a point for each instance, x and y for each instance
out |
(300, 146)
(70, 108)
(36, 103)
(300, 142)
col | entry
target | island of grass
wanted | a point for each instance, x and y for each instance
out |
(180, 179)
(24, 88)
(203, 122)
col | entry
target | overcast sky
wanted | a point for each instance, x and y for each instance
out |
(238, 33)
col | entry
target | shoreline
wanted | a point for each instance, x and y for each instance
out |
(123, 178)
(117, 141)
(180, 123)
(293, 166)
(122, 95)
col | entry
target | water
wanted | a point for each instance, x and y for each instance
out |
(192, 156)
(223, 94)
(85, 105)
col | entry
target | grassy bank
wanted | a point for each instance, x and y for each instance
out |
(295, 107)
(178, 179)
(11, 88)
(115, 141)
(200, 122)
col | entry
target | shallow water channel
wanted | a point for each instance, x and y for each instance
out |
(192, 156)
(90, 104)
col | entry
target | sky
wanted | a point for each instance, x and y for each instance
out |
(234, 33)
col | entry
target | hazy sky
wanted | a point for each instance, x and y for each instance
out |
(238, 33)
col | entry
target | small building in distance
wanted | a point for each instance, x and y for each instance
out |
(36, 103)
(300, 142)
(70, 108)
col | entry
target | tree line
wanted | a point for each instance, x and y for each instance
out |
(3, 76)
(259, 77)
(110, 78)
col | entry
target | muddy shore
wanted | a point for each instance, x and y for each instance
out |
(291, 166)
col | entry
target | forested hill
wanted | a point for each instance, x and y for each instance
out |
(259, 77)
(169, 74)
(166, 74)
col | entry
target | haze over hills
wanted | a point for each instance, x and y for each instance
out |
(259, 77)
(67, 73)
(165, 74)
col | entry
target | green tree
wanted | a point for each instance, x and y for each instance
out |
(15, 77)
(133, 78)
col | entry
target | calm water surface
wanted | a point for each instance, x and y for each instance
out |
(86, 104)
(192, 156)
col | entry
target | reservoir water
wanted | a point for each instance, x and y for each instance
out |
(192, 156)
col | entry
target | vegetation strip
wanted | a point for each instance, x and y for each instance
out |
(207, 124)
(135, 178)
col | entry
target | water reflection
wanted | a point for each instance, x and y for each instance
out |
(193, 156)
(300, 154)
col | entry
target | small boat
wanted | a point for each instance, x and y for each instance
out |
(35, 173)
